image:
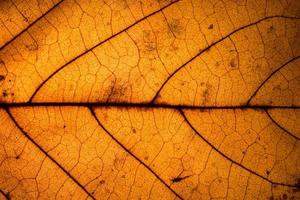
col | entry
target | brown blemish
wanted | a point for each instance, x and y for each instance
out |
(2, 77)
(150, 46)
(175, 26)
(178, 179)
(284, 196)
(211, 26)
(133, 130)
(232, 63)
(32, 47)
(271, 29)
(4, 93)
(116, 91)
(206, 93)
(271, 198)
(102, 182)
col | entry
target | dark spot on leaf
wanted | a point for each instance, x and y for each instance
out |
(18, 157)
(1, 62)
(150, 46)
(116, 90)
(146, 158)
(205, 95)
(271, 29)
(102, 182)
(284, 196)
(175, 27)
(267, 172)
(32, 47)
(4, 93)
(2, 77)
(65, 126)
(211, 26)
(232, 63)
(271, 198)
(178, 179)
(133, 130)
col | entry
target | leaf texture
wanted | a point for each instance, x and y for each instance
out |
(149, 99)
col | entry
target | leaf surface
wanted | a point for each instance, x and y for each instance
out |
(144, 99)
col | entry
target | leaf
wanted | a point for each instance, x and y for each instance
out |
(149, 99)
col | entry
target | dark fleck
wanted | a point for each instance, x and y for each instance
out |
(178, 179)
(133, 130)
(102, 182)
(150, 46)
(2, 77)
(211, 26)
(268, 172)
(284, 196)
(271, 28)
(32, 47)
(18, 157)
(175, 27)
(232, 63)
(271, 198)
(65, 126)
(4, 94)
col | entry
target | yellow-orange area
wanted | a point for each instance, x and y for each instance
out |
(149, 99)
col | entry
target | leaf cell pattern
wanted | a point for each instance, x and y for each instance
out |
(149, 99)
